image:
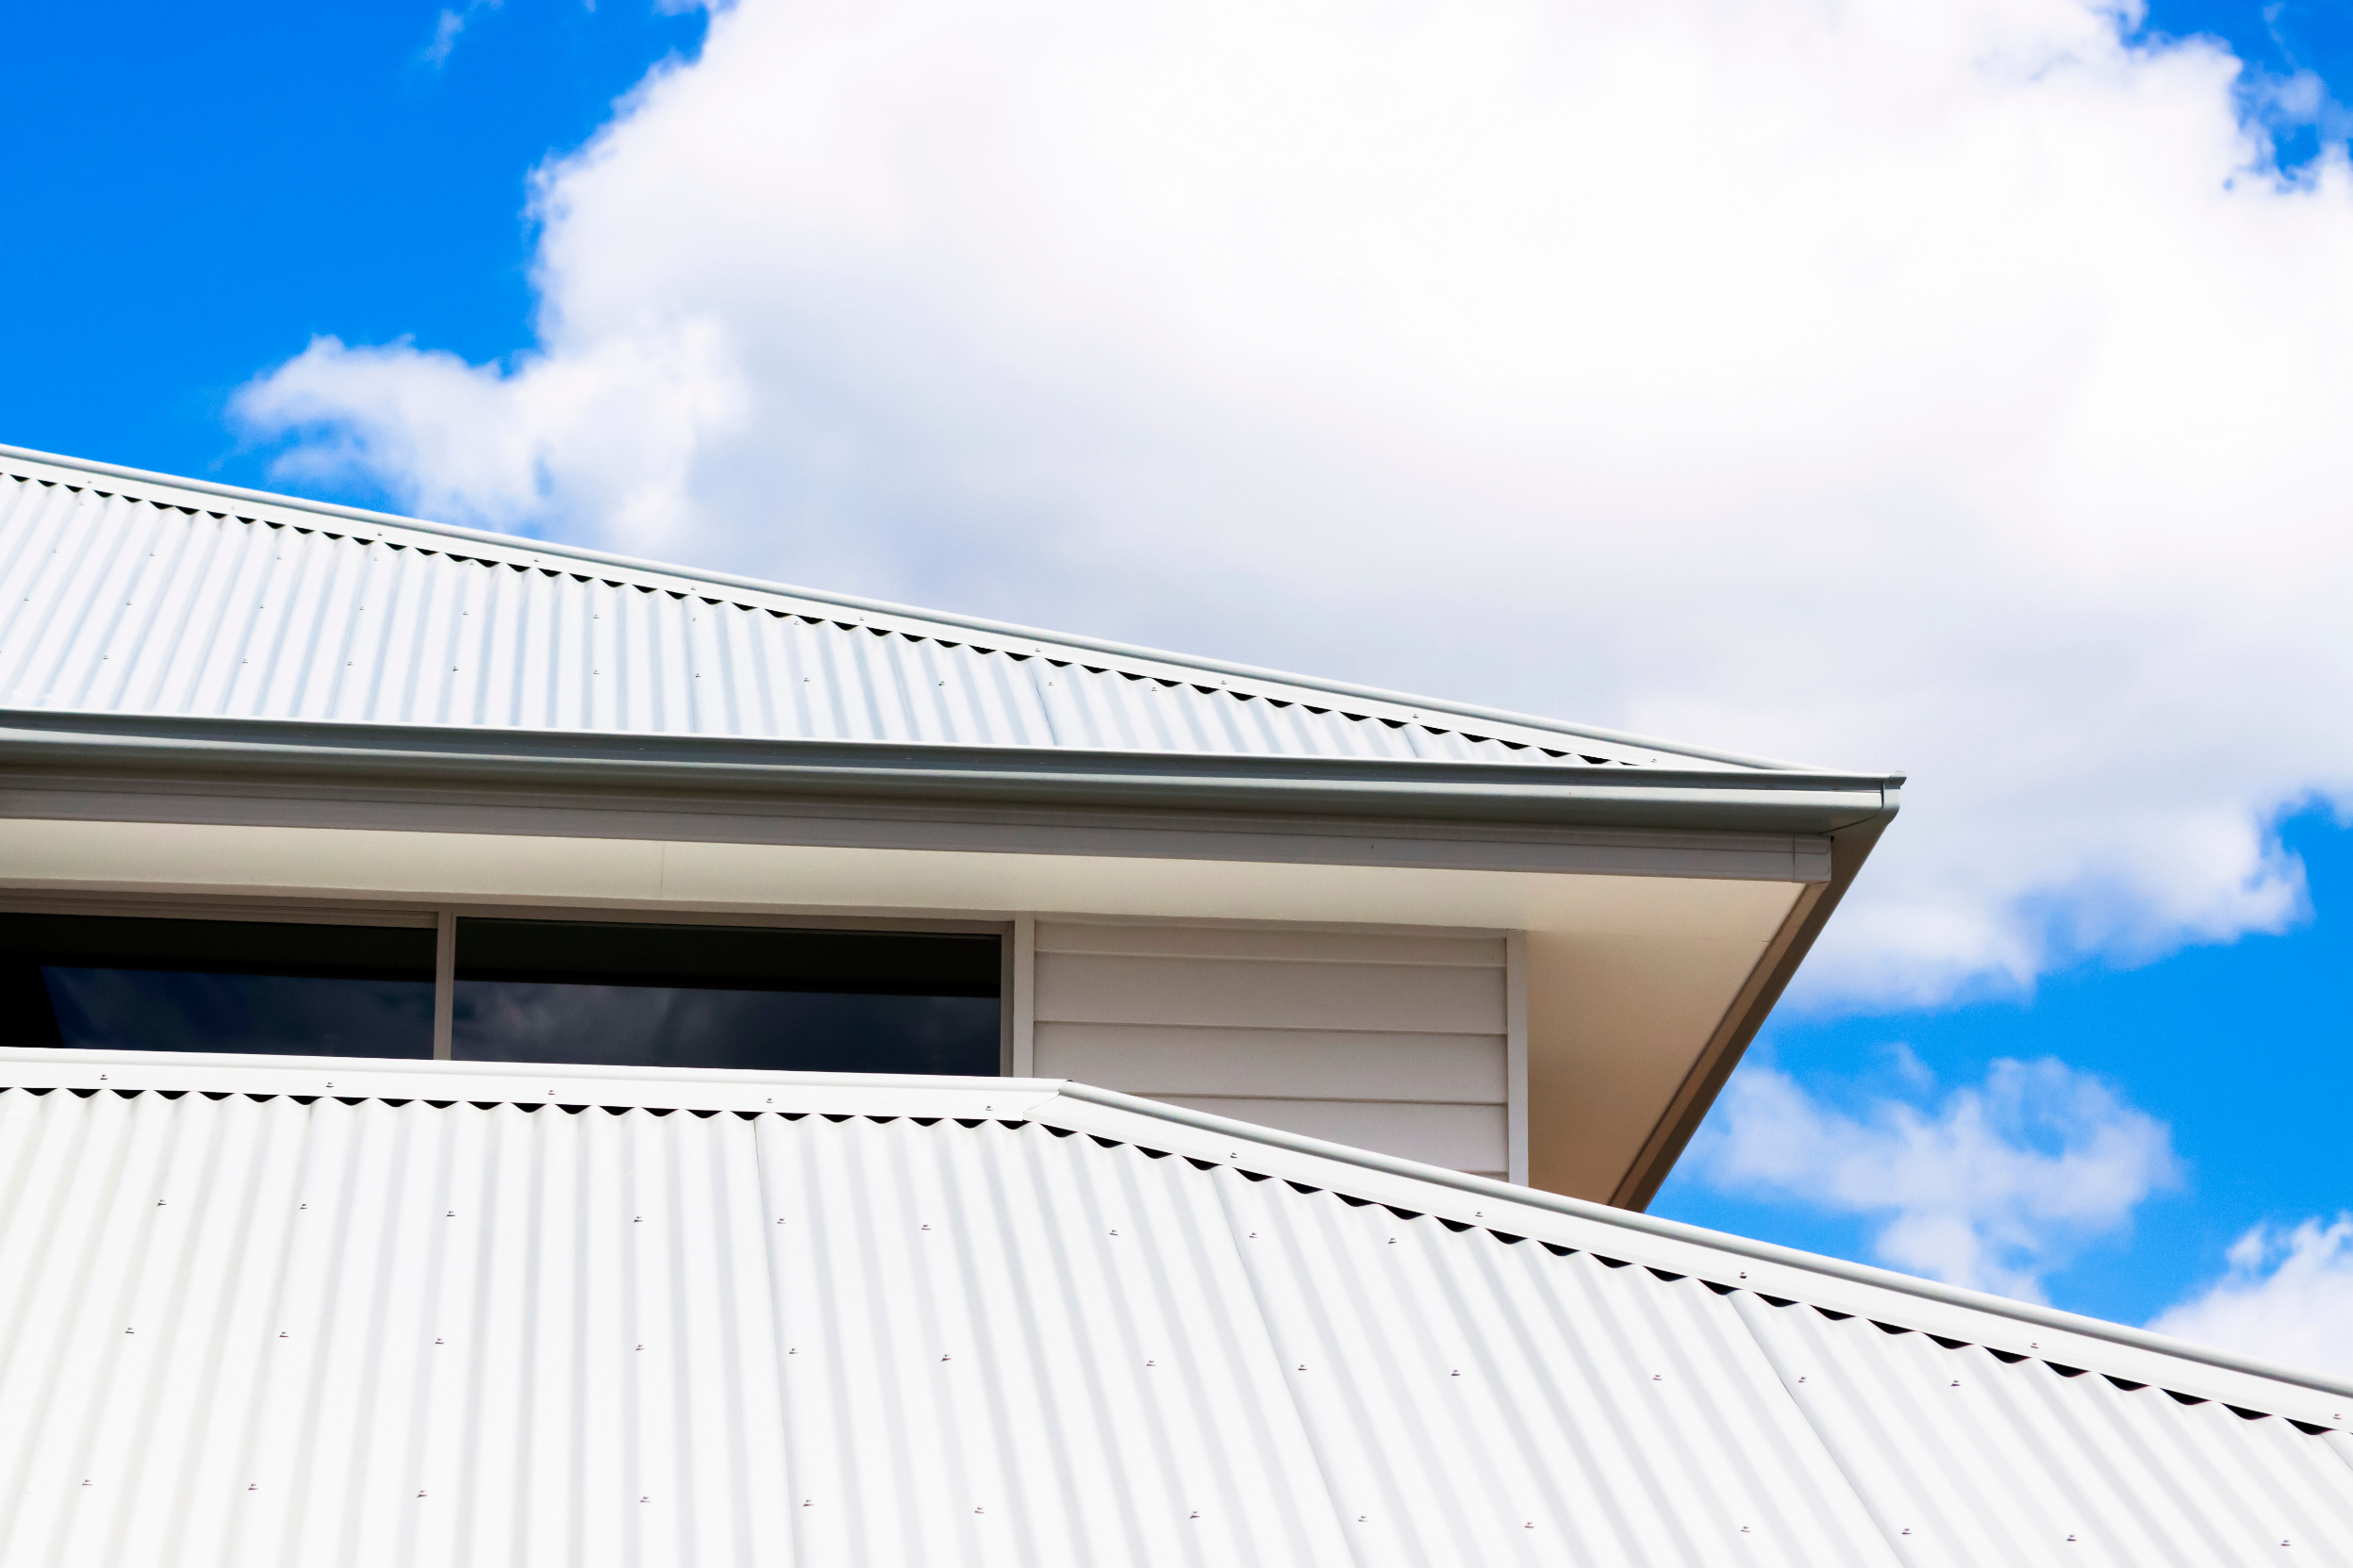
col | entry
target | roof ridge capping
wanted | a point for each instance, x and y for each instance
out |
(171, 490)
(2012, 1328)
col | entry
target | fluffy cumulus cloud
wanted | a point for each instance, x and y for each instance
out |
(1991, 1187)
(2288, 1297)
(1952, 388)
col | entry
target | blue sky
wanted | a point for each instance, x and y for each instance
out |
(254, 177)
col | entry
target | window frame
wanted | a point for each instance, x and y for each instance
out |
(441, 916)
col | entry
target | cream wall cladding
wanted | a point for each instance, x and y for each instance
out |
(1388, 1041)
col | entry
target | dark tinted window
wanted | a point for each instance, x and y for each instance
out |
(100, 983)
(727, 997)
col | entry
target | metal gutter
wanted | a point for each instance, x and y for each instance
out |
(1007, 629)
(51, 742)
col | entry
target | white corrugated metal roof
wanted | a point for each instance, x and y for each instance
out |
(307, 1311)
(144, 594)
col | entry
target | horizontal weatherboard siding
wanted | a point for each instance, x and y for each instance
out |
(1385, 1040)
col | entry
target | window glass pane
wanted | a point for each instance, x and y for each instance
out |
(727, 997)
(102, 983)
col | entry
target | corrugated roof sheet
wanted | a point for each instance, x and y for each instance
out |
(160, 597)
(330, 1311)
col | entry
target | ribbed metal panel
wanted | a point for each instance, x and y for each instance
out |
(244, 1329)
(2088, 1469)
(113, 602)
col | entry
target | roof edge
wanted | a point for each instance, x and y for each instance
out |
(1851, 845)
(1719, 1241)
(1698, 799)
(880, 606)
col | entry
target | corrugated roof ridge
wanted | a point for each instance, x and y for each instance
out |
(1043, 1100)
(1363, 704)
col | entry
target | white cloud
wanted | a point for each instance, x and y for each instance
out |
(2288, 1297)
(1991, 1188)
(451, 24)
(1939, 387)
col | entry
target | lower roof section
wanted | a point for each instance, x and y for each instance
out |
(332, 1311)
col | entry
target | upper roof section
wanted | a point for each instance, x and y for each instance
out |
(124, 592)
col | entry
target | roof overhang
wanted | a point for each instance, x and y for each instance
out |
(1666, 911)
